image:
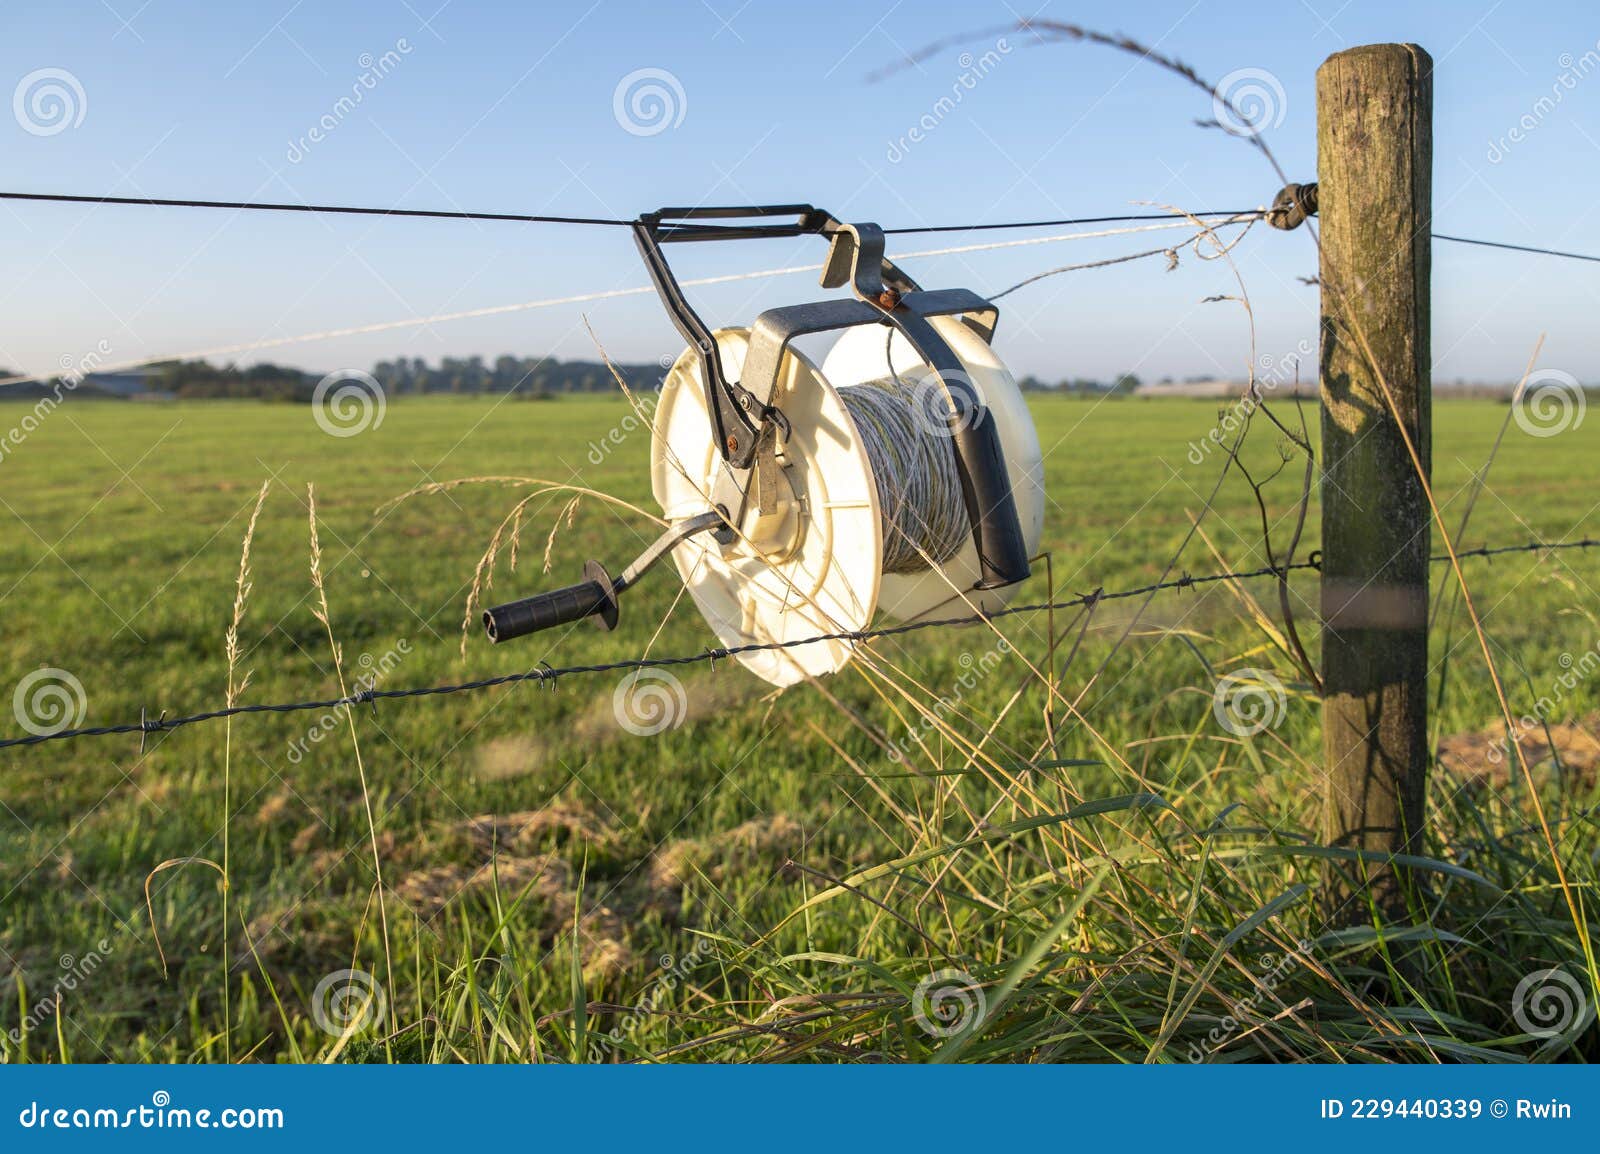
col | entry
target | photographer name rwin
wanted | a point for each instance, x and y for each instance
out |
(1445, 1109)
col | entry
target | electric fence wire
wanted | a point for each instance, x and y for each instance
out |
(552, 674)
(618, 222)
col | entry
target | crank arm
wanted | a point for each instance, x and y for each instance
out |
(595, 596)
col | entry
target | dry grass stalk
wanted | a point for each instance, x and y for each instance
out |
(320, 611)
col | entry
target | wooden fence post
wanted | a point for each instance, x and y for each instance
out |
(1375, 188)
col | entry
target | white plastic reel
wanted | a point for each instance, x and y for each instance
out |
(812, 563)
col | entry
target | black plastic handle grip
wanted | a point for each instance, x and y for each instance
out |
(595, 597)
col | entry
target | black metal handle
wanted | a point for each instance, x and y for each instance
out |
(666, 224)
(595, 597)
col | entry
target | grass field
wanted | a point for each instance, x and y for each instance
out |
(556, 888)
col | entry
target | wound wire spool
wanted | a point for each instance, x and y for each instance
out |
(914, 468)
(856, 500)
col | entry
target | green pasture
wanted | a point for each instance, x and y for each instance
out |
(1104, 870)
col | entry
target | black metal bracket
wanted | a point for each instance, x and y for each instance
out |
(738, 412)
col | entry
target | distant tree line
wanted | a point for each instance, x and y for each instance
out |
(1123, 384)
(528, 377)
(203, 380)
(532, 377)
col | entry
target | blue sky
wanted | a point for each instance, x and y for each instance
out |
(510, 107)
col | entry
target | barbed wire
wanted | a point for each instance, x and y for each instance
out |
(552, 674)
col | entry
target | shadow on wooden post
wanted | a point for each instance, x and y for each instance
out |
(1374, 175)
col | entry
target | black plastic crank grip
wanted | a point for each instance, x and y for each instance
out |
(595, 596)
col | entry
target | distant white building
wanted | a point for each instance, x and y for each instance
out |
(1194, 389)
(126, 383)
